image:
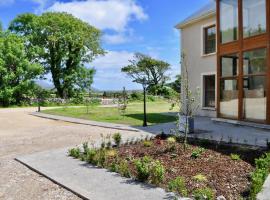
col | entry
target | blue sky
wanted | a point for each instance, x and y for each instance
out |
(128, 26)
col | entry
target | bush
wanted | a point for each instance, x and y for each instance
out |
(204, 194)
(100, 158)
(147, 143)
(85, 148)
(200, 178)
(178, 186)
(75, 152)
(171, 144)
(117, 139)
(91, 156)
(157, 172)
(143, 167)
(235, 157)
(136, 96)
(260, 174)
(123, 169)
(197, 152)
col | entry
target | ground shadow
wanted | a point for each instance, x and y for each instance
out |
(153, 118)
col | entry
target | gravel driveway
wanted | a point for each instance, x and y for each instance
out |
(20, 134)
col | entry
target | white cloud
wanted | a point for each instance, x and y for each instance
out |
(115, 38)
(6, 2)
(104, 14)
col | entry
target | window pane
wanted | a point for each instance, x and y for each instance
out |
(209, 91)
(255, 97)
(229, 65)
(229, 98)
(210, 40)
(254, 17)
(228, 20)
(255, 61)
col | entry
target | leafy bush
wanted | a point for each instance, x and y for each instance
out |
(91, 156)
(171, 147)
(75, 152)
(147, 143)
(204, 194)
(143, 168)
(101, 158)
(200, 178)
(260, 174)
(123, 169)
(197, 152)
(178, 185)
(114, 167)
(157, 172)
(235, 157)
(85, 148)
(136, 96)
(117, 139)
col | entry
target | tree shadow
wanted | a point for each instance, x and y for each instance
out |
(153, 118)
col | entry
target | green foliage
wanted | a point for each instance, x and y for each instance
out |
(136, 96)
(147, 143)
(91, 156)
(143, 168)
(101, 158)
(16, 71)
(157, 172)
(176, 85)
(204, 194)
(197, 152)
(235, 157)
(64, 44)
(85, 148)
(114, 167)
(178, 186)
(74, 152)
(123, 169)
(260, 174)
(117, 139)
(146, 68)
(200, 178)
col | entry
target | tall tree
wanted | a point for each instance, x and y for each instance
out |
(150, 69)
(16, 71)
(176, 85)
(63, 44)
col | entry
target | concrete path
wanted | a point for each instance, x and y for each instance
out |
(87, 181)
(265, 194)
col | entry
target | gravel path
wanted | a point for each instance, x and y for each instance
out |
(21, 134)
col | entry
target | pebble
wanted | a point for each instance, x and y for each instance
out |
(221, 198)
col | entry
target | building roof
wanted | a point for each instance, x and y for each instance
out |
(206, 11)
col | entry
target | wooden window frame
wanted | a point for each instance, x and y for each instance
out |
(205, 39)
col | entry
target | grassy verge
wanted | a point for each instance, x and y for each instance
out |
(156, 113)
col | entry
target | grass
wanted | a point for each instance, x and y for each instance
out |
(133, 116)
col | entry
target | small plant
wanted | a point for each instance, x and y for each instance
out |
(111, 153)
(147, 143)
(117, 139)
(101, 158)
(171, 144)
(109, 142)
(103, 141)
(114, 167)
(75, 152)
(178, 185)
(143, 167)
(203, 194)
(200, 178)
(90, 156)
(235, 157)
(157, 172)
(123, 169)
(85, 148)
(197, 152)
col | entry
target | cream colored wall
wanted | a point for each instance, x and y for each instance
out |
(198, 64)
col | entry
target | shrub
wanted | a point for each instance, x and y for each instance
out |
(75, 152)
(178, 185)
(111, 153)
(123, 169)
(197, 152)
(204, 194)
(171, 141)
(114, 167)
(157, 172)
(85, 148)
(136, 96)
(143, 167)
(147, 143)
(101, 158)
(117, 139)
(235, 157)
(91, 156)
(200, 178)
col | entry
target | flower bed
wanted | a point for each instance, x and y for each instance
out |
(200, 170)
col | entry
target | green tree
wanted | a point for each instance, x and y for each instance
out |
(1, 27)
(63, 44)
(146, 68)
(176, 85)
(16, 71)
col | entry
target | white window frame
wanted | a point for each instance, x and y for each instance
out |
(203, 90)
(203, 39)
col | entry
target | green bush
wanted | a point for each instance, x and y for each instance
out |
(75, 152)
(235, 157)
(101, 158)
(136, 96)
(260, 174)
(204, 194)
(157, 172)
(85, 148)
(91, 156)
(200, 178)
(117, 139)
(147, 143)
(197, 152)
(143, 167)
(123, 169)
(178, 186)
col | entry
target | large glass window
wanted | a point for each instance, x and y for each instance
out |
(210, 91)
(229, 65)
(210, 40)
(255, 62)
(254, 17)
(228, 20)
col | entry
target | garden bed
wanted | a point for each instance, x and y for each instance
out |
(200, 168)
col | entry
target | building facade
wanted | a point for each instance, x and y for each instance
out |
(227, 48)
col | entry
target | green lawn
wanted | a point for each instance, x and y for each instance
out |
(133, 116)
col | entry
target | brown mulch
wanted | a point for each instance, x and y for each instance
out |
(225, 176)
